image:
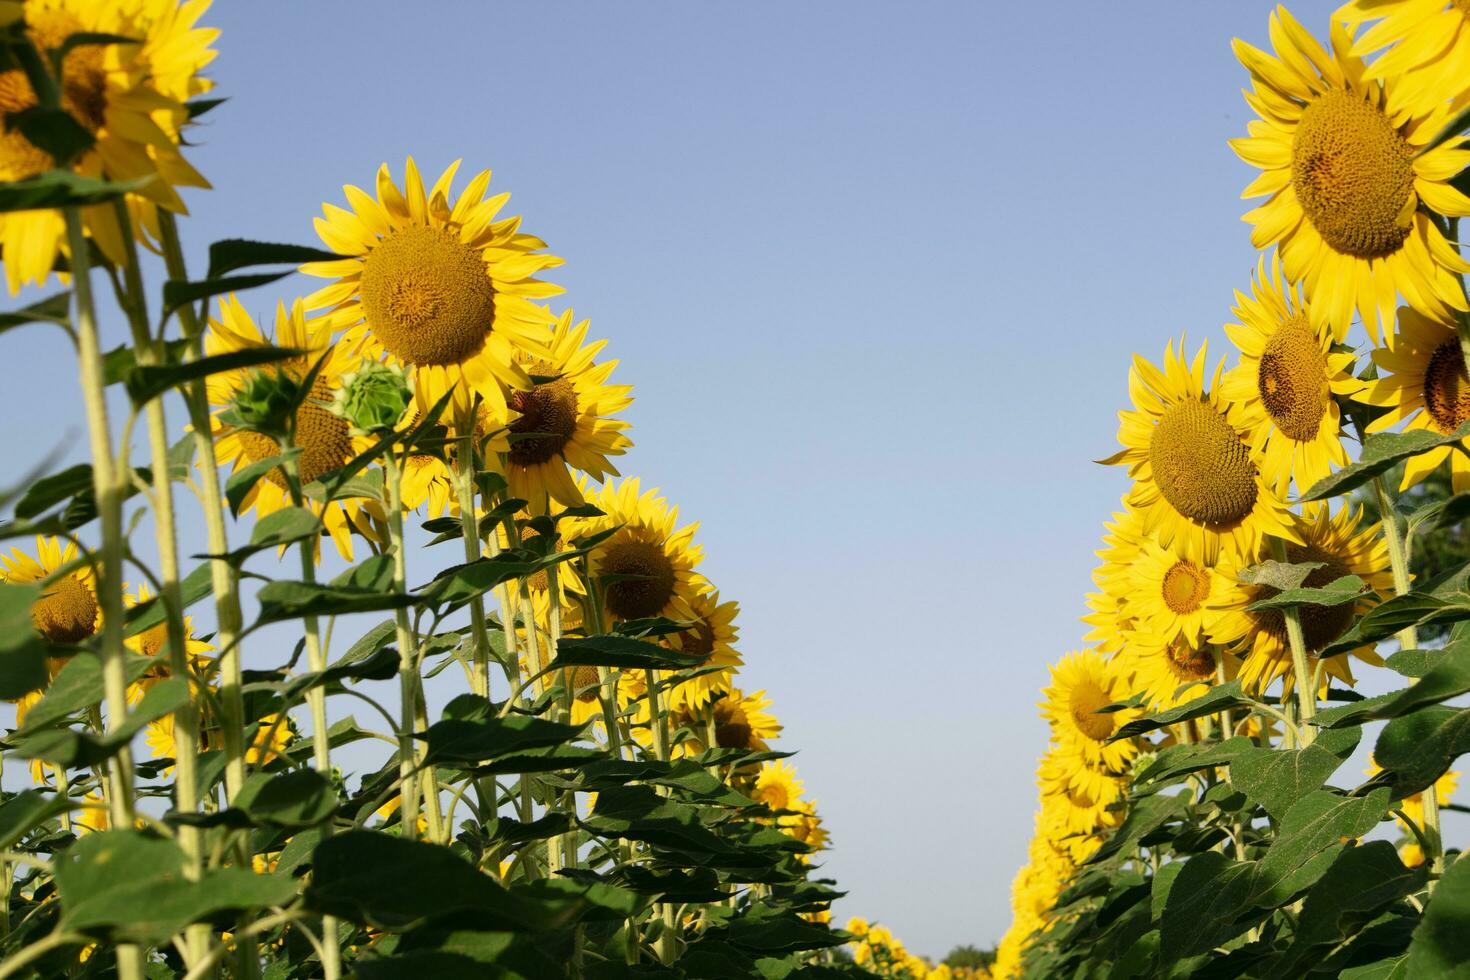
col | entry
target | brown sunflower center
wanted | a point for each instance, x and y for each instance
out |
(1200, 465)
(1190, 663)
(1447, 388)
(1087, 698)
(67, 613)
(83, 94)
(647, 593)
(698, 640)
(427, 296)
(1186, 587)
(1320, 624)
(548, 418)
(584, 681)
(732, 727)
(1290, 379)
(323, 437)
(1353, 175)
(775, 795)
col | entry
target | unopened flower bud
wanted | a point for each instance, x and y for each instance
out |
(374, 397)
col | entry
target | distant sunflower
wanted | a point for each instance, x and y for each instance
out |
(324, 439)
(129, 97)
(740, 721)
(806, 826)
(1064, 803)
(443, 287)
(1175, 598)
(1081, 685)
(1430, 53)
(1335, 540)
(1111, 617)
(1196, 481)
(1425, 387)
(428, 472)
(1169, 672)
(1341, 159)
(712, 636)
(1285, 383)
(648, 562)
(154, 641)
(564, 420)
(68, 611)
(777, 787)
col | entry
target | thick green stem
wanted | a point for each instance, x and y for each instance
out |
(186, 718)
(316, 699)
(1306, 690)
(109, 493)
(1398, 559)
(224, 578)
(408, 810)
(464, 465)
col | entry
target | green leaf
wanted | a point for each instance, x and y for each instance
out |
(761, 928)
(78, 686)
(1412, 663)
(1179, 760)
(22, 652)
(610, 650)
(1380, 453)
(299, 798)
(25, 811)
(1144, 817)
(382, 665)
(453, 740)
(1204, 903)
(1417, 748)
(1279, 575)
(1360, 884)
(177, 292)
(53, 129)
(150, 613)
(1310, 835)
(276, 530)
(52, 309)
(1412, 609)
(1213, 701)
(1441, 944)
(53, 489)
(463, 582)
(1277, 778)
(1339, 592)
(128, 886)
(238, 486)
(286, 600)
(147, 381)
(238, 253)
(68, 747)
(62, 189)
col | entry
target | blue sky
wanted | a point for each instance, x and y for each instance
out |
(875, 271)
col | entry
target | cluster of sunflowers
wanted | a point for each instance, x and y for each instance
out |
(429, 376)
(1362, 166)
(877, 950)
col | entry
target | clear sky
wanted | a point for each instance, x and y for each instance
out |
(875, 270)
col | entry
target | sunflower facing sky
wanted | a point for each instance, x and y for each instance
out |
(1429, 55)
(1196, 481)
(1081, 684)
(564, 420)
(129, 97)
(1423, 384)
(68, 611)
(1173, 598)
(648, 561)
(323, 437)
(446, 288)
(1340, 159)
(1285, 383)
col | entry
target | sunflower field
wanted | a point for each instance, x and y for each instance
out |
(1294, 522)
(234, 764)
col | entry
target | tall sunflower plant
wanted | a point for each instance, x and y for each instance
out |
(232, 764)
(1293, 525)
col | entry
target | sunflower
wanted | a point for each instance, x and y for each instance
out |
(1083, 683)
(806, 826)
(1335, 540)
(1065, 803)
(1340, 158)
(648, 562)
(1173, 598)
(443, 287)
(1430, 54)
(1111, 618)
(68, 611)
(154, 641)
(1196, 481)
(1067, 767)
(1425, 387)
(1285, 383)
(1169, 672)
(740, 721)
(712, 636)
(428, 472)
(323, 437)
(129, 97)
(563, 420)
(777, 787)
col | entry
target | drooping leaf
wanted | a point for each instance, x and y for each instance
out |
(76, 687)
(1310, 835)
(453, 740)
(52, 309)
(1204, 905)
(610, 650)
(69, 747)
(298, 798)
(1441, 946)
(62, 189)
(1213, 701)
(151, 612)
(1417, 748)
(1278, 778)
(25, 811)
(1336, 593)
(276, 530)
(284, 600)
(1380, 453)
(178, 292)
(147, 381)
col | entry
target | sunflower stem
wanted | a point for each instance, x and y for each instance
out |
(109, 492)
(408, 805)
(316, 697)
(224, 578)
(186, 718)
(464, 468)
(1397, 555)
(1306, 691)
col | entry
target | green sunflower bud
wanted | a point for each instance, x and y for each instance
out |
(264, 403)
(374, 397)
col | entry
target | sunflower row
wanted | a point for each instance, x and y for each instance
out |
(1360, 163)
(604, 766)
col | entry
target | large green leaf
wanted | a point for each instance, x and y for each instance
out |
(299, 798)
(179, 292)
(1204, 904)
(1380, 453)
(464, 742)
(285, 600)
(610, 650)
(69, 747)
(52, 309)
(22, 652)
(1277, 778)
(151, 612)
(277, 529)
(1441, 946)
(231, 254)
(1216, 699)
(1310, 835)
(1417, 748)
(147, 381)
(62, 189)
(78, 686)
(25, 811)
